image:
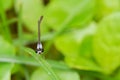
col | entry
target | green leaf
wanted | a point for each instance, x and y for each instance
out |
(106, 7)
(107, 43)
(7, 4)
(31, 61)
(4, 25)
(71, 44)
(5, 68)
(44, 64)
(6, 48)
(31, 12)
(69, 13)
(117, 74)
(63, 74)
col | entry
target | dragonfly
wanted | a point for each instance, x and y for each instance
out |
(39, 44)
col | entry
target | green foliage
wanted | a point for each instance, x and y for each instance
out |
(5, 68)
(71, 45)
(6, 4)
(43, 64)
(106, 43)
(69, 13)
(80, 37)
(63, 74)
(106, 7)
(32, 9)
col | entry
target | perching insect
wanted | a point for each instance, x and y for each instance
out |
(39, 44)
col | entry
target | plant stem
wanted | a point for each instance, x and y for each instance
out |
(20, 27)
(43, 64)
(20, 24)
(31, 61)
(5, 28)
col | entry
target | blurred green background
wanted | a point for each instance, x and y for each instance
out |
(81, 39)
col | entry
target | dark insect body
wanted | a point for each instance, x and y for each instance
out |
(39, 44)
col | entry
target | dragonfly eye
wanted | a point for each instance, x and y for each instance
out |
(39, 51)
(39, 48)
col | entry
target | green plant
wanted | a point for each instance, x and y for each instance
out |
(80, 37)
